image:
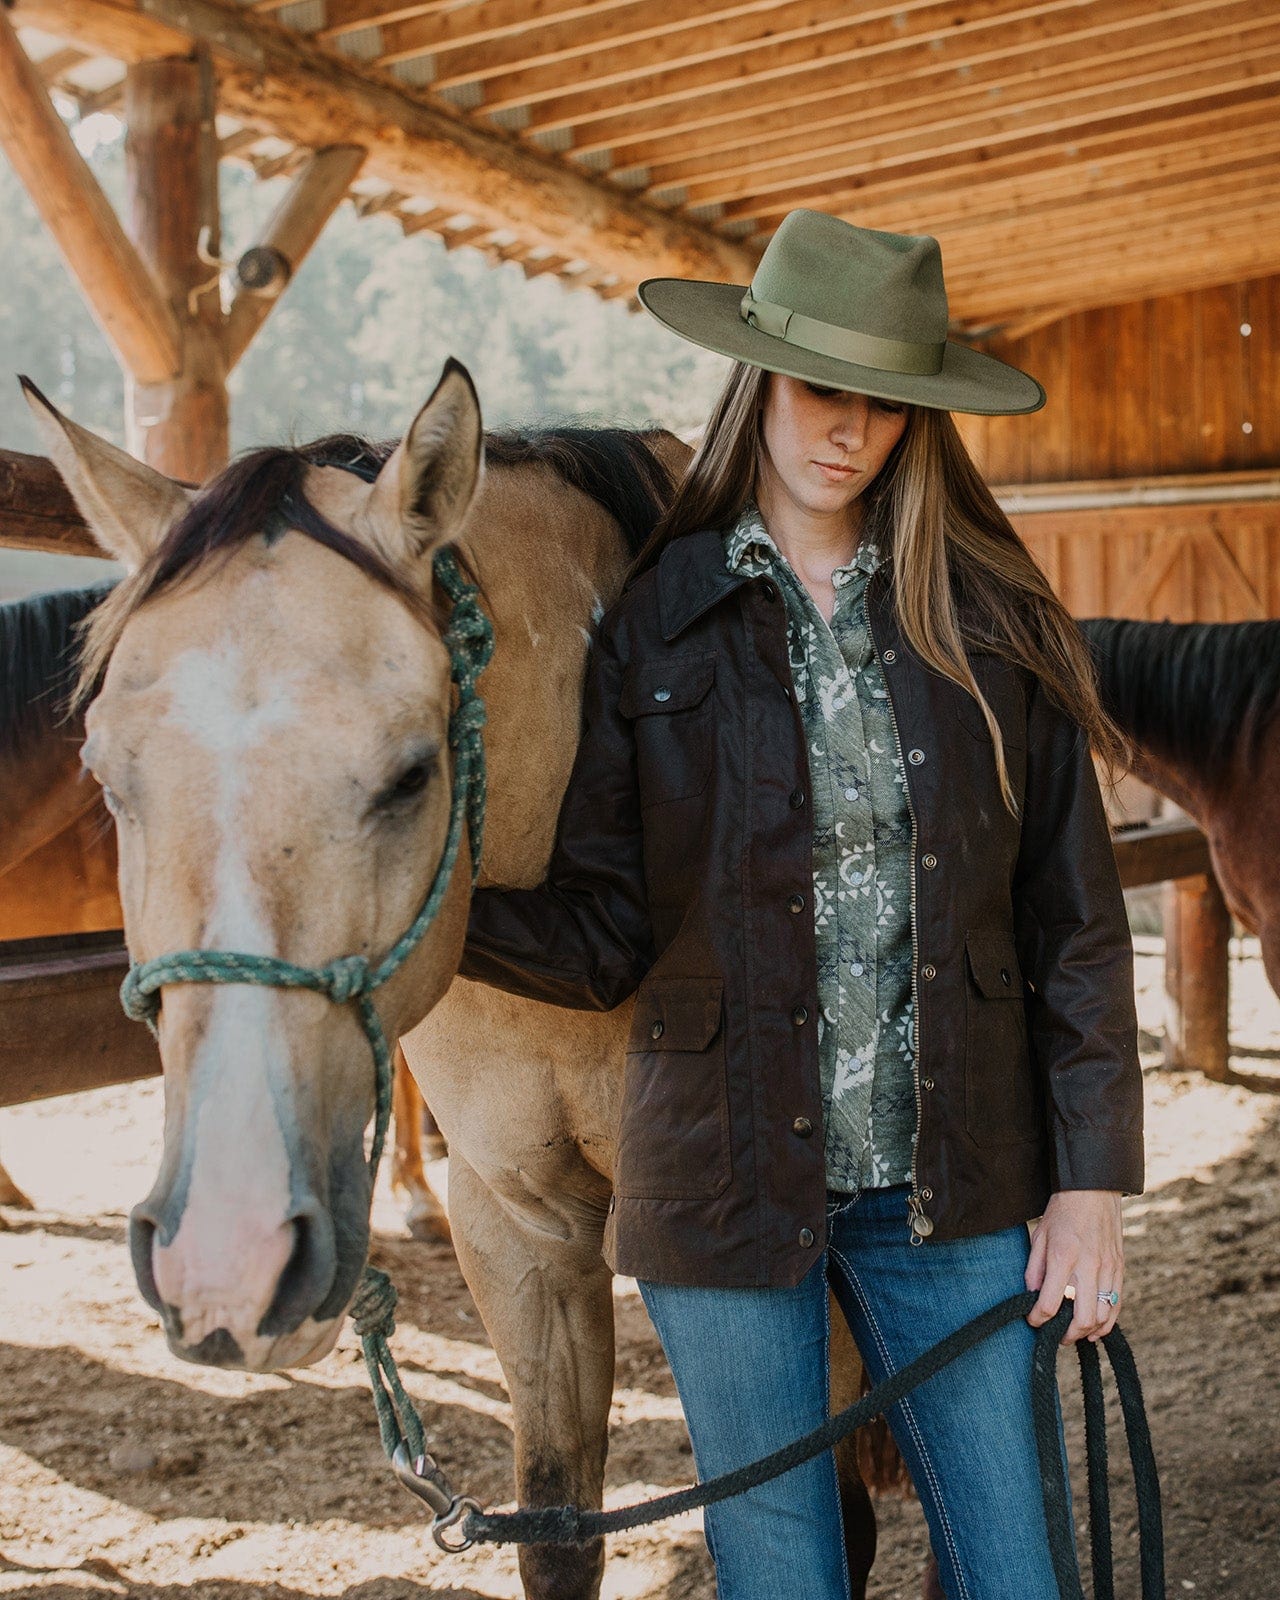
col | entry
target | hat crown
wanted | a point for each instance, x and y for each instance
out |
(888, 285)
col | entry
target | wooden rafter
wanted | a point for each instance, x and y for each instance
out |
(296, 225)
(271, 79)
(120, 291)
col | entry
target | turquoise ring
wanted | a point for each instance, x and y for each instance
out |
(1112, 1297)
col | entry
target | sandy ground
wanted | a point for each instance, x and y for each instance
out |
(126, 1473)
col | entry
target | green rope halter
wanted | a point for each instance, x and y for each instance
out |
(351, 980)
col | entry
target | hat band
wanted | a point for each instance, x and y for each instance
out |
(845, 344)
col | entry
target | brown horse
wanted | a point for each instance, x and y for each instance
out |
(1200, 701)
(58, 847)
(270, 732)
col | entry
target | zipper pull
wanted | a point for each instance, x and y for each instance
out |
(921, 1226)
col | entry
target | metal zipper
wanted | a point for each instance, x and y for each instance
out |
(921, 1226)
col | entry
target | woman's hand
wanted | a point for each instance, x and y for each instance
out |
(1078, 1241)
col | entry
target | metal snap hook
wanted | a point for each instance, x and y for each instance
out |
(462, 1504)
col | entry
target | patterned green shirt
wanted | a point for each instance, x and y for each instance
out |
(861, 866)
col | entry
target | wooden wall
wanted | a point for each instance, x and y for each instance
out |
(1177, 393)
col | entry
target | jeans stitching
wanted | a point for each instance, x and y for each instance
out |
(831, 1454)
(910, 1417)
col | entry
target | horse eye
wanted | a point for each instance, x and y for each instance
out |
(411, 782)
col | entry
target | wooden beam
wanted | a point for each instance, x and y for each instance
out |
(37, 511)
(1159, 852)
(61, 1026)
(180, 424)
(120, 291)
(1197, 930)
(296, 225)
(273, 79)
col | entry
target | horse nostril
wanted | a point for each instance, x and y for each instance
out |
(142, 1234)
(308, 1274)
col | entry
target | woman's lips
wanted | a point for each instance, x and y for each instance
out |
(835, 474)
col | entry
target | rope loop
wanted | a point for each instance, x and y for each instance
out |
(345, 978)
(373, 1310)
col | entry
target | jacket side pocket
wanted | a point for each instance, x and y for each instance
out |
(1001, 1100)
(673, 1134)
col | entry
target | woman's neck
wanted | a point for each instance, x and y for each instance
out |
(814, 545)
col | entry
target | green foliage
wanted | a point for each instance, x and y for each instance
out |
(358, 340)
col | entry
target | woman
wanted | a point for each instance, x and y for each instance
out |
(834, 817)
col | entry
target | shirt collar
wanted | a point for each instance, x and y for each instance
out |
(751, 550)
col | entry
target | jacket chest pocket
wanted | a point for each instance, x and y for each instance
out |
(1001, 1097)
(673, 1134)
(670, 705)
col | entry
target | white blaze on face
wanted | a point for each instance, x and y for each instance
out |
(233, 1241)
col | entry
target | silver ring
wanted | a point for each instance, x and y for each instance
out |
(1112, 1296)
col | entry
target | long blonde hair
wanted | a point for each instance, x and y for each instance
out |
(929, 510)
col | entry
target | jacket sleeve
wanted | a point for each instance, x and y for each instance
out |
(1075, 946)
(582, 938)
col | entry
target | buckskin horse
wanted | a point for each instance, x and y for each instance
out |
(269, 729)
(1199, 700)
(58, 851)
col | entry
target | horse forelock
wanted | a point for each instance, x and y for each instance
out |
(1199, 694)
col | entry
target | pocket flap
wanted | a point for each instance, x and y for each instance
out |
(676, 1014)
(671, 685)
(993, 960)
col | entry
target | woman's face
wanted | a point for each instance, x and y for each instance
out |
(822, 447)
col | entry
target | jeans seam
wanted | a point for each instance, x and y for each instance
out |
(910, 1417)
(831, 1453)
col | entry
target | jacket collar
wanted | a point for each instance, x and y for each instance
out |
(692, 577)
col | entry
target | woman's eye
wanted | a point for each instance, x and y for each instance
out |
(823, 394)
(894, 407)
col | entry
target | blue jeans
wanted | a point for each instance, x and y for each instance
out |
(751, 1369)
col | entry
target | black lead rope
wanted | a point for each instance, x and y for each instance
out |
(571, 1525)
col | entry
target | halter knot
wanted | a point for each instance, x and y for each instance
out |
(345, 978)
(373, 1308)
(140, 1004)
(466, 722)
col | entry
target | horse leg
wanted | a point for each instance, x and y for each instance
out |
(11, 1195)
(424, 1216)
(532, 1261)
(433, 1141)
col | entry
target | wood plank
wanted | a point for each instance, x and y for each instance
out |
(124, 298)
(950, 129)
(1197, 927)
(909, 81)
(272, 79)
(37, 511)
(1160, 852)
(61, 1025)
(700, 90)
(294, 227)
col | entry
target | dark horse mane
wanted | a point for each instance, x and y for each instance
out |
(1201, 694)
(38, 661)
(262, 491)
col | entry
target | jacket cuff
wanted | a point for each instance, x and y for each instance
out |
(1083, 1158)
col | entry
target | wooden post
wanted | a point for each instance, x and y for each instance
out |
(1197, 927)
(178, 425)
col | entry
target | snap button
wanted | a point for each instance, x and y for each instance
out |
(796, 903)
(890, 656)
(928, 970)
(799, 1015)
(768, 590)
(806, 1237)
(928, 1083)
(915, 757)
(1004, 976)
(802, 1126)
(662, 694)
(655, 1032)
(797, 799)
(929, 861)
(922, 1225)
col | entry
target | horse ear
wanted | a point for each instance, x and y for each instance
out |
(427, 484)
(129, 506)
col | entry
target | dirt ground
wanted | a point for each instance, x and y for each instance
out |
(126, 1473)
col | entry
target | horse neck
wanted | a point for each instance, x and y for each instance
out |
(551, 561)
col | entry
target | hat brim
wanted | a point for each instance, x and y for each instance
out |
(707, 314)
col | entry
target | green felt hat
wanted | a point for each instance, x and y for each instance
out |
(848, 308)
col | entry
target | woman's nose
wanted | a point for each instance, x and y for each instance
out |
(851, 427)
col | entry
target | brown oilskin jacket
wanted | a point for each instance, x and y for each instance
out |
(682, 869)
